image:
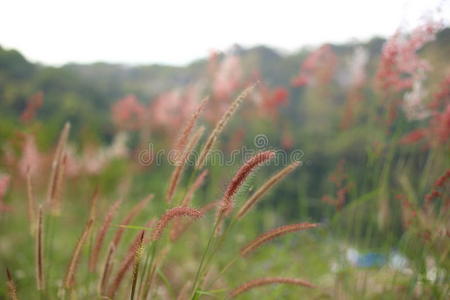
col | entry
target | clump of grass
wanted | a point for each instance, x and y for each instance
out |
(145, 256)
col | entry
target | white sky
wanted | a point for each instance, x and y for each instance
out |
(176, 32)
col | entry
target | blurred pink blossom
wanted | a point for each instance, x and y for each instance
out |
(318, 67)
(399, 63)
(269, 100)
(128, 113)
(166, 108)
(228, 77)
(31, 158)
(413, 136)
(437, 133)
(33, 104)
(171, 109)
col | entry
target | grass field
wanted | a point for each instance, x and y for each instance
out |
(332, 186)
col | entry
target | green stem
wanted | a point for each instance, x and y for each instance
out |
(146, 281)
(205, 253)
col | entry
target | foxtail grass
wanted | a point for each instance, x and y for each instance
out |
(137, 261)
(274, 233)
(40, 281)
(240, 177)
(57, 171)
(183, 139)
(69, 280)
(93, 204)
(172, 213)
(226, 206)
(107, 270)
(31, 202)
(11, 286)
(125, 265)
(210, 142)
(180, 164)
(102, 233)
(179, 227)
(268, 281)
(265, 187)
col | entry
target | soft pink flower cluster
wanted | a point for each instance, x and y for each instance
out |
(228, 77)
(269, 100)
(31, 160)
(169, 110)
(128, 113)
(437, 132)
(318, 67)
(400, 63)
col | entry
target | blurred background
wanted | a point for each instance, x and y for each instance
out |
(361, 88)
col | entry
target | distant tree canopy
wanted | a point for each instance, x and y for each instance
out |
(83, 94)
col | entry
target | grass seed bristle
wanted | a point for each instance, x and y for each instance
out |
(102, 233)
(175, 212)
(265, 187)
(270, 235)
(56, 172)
(240, 177)
(69, 280)
(187, 130)
(209, 144)
(180, 164)
(107, 270)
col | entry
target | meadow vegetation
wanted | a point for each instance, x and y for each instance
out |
(320, 175)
